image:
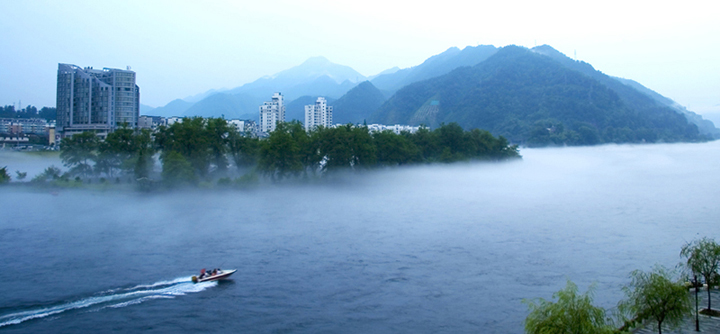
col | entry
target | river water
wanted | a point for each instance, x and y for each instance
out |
(434, 249)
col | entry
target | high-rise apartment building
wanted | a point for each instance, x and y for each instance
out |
(318, 114)
(272, 112)
(96, 100)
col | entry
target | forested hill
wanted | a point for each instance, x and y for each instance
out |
(532, 99)
(358, 104)
(632, 93)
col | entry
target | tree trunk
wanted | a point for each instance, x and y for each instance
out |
(708, 288)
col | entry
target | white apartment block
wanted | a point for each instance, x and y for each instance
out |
(271, 113)
(319, 114)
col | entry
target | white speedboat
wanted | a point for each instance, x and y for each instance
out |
(221, 274)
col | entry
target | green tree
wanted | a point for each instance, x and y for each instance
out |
(177, 170)
(188, 138)
(346, 146)
(116, 151)
(364, 152)
(143, 154)
(308, 144)
(218, 132)
(394, 149)
(571, 313)
(503, 150)
(279, 154)
(78, 151)
(244, 149)
(426, 142)
(452, 141)
(50, 173)
(4, 176)
(703, 258)
(335, 147)
(658, 296)
(21, 175)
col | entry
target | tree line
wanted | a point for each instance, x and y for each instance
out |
(198, 150)
(46, 113)
(657, 296)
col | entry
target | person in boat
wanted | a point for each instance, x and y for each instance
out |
(214, 272)
(202, 274)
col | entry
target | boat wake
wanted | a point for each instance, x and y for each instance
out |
(114, 298)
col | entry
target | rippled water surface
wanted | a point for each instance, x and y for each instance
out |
(424, 250)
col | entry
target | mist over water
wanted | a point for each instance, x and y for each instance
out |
(424, 249)
(30, 163)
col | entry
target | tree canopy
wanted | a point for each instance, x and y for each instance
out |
(46, 113)
(289, 150)
(703, 258)
(208, 146)
(79, 151)
(656, 295)
(571, 313)
(4, 176)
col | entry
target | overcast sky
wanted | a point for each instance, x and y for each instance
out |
(182, 48)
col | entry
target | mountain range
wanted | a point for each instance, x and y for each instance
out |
(434, 66)
(538, 97)
(510, 91)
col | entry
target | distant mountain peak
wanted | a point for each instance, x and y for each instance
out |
(316, 61)
(545, 48)
(452, 49)
(434, 66)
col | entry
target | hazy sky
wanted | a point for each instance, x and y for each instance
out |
(182, 48)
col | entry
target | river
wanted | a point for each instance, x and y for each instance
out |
(432, 249)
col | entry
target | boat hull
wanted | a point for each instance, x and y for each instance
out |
(223, 275)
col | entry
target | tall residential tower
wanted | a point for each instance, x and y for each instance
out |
(272, 112)
(95, 100)
(318, 114)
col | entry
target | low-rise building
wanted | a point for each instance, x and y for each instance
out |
(243, 125)
(172, 120)
(151, 122)
(15, 126)
(397, 128)
(13, 141)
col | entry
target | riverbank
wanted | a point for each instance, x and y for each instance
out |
(708, 324)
